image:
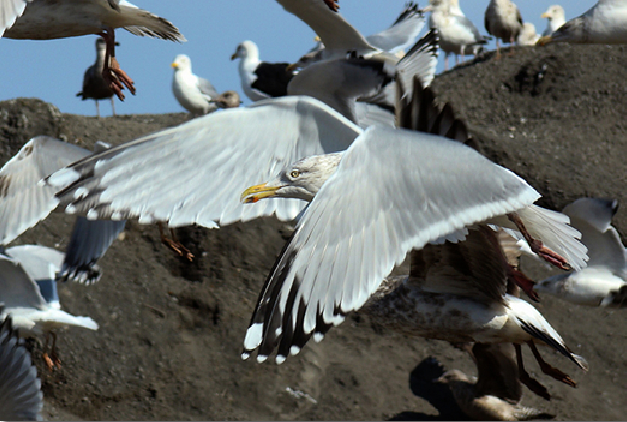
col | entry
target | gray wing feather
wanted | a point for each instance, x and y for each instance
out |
(17, 289)
(20, 389)
(23, 201)
(393, 191)
(207, 88)
(196, 172)
(89, 241)
(401, 34)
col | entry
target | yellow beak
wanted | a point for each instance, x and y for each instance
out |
(545, 15)
(234, 56)
(174, 65)
(544, 40)
(257, 192)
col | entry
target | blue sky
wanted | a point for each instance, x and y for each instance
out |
(53, 70)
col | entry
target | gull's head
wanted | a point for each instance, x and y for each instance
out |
(182, 62)
(302, 180)
(228, 99)
(244, 49)
(554, 12)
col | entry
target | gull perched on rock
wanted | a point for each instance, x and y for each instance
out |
(49, 20)
(528, 36)
(94, 85)
(503, 20)
(604, 23)
(261, 80)
(457, 33)
(20, 389)
(28, 290)
(555, 19)
(195, 94)
(604, 281)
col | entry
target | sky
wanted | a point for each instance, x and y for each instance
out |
(53, 70)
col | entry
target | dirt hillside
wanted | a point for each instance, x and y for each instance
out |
(170, 332)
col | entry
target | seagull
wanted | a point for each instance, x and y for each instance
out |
(194, 94)
(497, 391)
(400, 36)
(29, 293)
(20, 389)
(503, 20)
(556, 18)
(49, 20)
(528, 36)
(260, 80)
(363, 89)
(94, 85)
(604, 281)
(24, 202)
(455, 30)
(604, 23)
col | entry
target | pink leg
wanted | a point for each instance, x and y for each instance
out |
(445, 62)
(115, 77)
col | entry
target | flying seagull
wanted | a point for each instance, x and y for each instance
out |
(407, 189)
(604, 281)
(49, 20)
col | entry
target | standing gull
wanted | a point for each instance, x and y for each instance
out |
(20, 389)
(94, 85)
(604, 281)
(528, 36)
(456, 31)
(49, 20)
(261, 80)
(196, 95)
(555, 19)
(604, 23)
(503, 20)
(407, 189)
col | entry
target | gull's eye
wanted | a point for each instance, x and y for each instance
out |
(295, 174)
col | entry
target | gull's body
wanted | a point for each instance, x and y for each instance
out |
(94, 85)
(260, 80)
(604, 23)
(24, 202)
(555, 19)
(403, 196)
(20, 389)
(457, 33)
(27, 273)
(604, 281)
(196, 95)
(503, 20)
(528, 36)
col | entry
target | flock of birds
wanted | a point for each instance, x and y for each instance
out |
(355, 149)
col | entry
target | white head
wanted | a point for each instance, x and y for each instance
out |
(554, 12)
(246, 49)
(182, 62)
(302, 180)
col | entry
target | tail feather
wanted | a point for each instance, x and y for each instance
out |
(141, 22)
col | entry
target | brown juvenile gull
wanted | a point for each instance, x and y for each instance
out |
(407, 189)
(503, 20)
(604, 23)
(94, 85)
(53, 19)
